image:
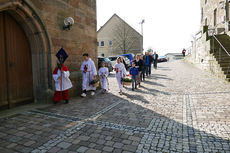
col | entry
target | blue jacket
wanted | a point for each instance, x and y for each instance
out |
(147, 60)
(133, 71)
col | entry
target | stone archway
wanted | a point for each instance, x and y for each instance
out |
(35, 31)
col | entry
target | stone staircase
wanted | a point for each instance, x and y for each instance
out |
(220, 55)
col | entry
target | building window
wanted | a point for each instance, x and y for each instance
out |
(97, 43)
(110, 43)
(202, 14)
(215, 17)
(227, 11)
(102, 43)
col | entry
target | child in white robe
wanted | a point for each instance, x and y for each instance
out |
(103, 73)
(89, 73)
(120, 73)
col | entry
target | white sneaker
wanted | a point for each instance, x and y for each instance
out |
(83, 95)
(92, 93)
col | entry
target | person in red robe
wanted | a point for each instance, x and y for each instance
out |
(62, 83)
(183, 52)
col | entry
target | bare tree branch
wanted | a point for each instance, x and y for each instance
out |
(123, 38)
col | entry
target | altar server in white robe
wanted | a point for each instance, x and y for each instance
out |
(103, 73)
(120, 73)
(89, 73)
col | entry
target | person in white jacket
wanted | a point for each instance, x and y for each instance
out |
(103, 74)
(120, 73)
(62, 83)
(89, 73)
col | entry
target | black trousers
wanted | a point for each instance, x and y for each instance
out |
(143, 75)
(147, 70)
(150, 66)
(155, 64)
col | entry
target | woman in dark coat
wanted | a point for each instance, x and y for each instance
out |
(123, 61)
(139, 65)
(142, 68)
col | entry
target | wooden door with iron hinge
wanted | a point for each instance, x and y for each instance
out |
(16, 85)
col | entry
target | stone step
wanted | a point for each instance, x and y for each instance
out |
(221, 54)
(216, 52)
(227, 75)
(217, 48)
(224, 39)
(223, 61)
(226, 69)
(222, 57)
(224, 64)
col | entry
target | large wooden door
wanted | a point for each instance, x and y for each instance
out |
(17, 86)
(3, 70)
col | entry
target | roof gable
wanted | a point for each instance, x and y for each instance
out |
(116, 16)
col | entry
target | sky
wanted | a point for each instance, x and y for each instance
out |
(169, 24)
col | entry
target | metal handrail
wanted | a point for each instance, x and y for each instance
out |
(221, 45)
(213, 35)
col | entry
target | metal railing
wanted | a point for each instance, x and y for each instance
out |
(212, 33)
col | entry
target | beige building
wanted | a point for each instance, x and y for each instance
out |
(117, 37)
(211, 44)
(215, 14)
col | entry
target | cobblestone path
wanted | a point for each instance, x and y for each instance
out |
(178, 109)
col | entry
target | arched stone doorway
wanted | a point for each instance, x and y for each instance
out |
(24, 17)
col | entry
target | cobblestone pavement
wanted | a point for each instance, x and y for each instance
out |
(178, 109)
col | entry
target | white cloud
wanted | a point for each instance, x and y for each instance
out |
(169, 24)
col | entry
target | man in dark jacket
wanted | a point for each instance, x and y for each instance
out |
(139, 65)
(155, 58)
(147, 63)
(151, 61)
(142, 67)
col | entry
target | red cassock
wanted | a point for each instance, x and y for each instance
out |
(62, 83)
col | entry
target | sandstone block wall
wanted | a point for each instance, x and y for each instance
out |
(79, 39)
(82, 36)
(208, 7)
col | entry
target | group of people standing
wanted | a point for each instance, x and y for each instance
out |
(141, 68)
(142, 63)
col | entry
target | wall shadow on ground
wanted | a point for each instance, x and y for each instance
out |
(136, 97)
(164, 68)
(152, 91)
(154, 83)
(168, 129)
(131, 115)
(159, 77)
